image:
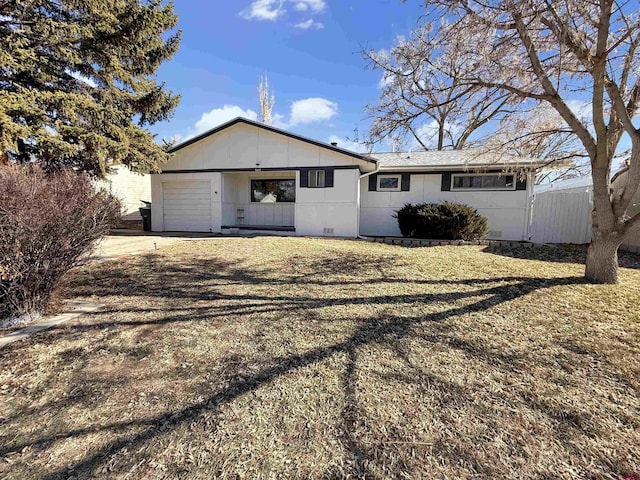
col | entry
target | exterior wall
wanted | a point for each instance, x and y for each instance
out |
(245, 146)
(331, 211)
(506, 211)
(318, 209)
(236, 188)
(130, 187)
(157, 197)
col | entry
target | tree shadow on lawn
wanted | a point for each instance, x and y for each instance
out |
(197, 280)
(559, 253)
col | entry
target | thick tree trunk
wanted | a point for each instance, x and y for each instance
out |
(602, 259)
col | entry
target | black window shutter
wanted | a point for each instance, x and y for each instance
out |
(373, 182)
(328, 177)
(405, 183)
(304, 177)
(446, 182)
(521, 184)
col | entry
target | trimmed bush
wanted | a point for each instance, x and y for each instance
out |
(48, 225)
(441, 221)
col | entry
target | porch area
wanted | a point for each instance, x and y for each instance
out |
(259, 201)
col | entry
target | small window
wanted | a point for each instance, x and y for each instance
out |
(483, 182)
(388, 183)
(273, 191)
(316, 179)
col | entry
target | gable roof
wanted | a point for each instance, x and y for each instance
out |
(456, 159)
(269, 128)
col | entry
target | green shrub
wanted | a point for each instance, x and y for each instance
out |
(441, 221)
(48, 225)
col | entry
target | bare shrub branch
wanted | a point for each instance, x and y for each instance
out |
(48, 225)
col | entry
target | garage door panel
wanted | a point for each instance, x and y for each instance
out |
(187, 206)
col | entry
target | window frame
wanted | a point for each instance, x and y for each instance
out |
(397, 176)
(316, 172)
(482, 189)
(251, 190)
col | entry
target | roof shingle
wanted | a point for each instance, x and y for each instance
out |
(438, 159)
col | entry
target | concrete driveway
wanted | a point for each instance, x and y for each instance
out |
(128, 242)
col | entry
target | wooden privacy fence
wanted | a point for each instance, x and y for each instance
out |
(561, 217)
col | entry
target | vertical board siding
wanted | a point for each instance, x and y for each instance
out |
(561, 217)
(278, 214)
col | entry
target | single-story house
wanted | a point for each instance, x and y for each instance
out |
(245, 175)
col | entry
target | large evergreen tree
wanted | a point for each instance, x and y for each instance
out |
(77, 85)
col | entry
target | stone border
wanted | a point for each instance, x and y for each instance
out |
(75, 309)
(417, 242)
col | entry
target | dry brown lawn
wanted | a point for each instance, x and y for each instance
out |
(306, 358)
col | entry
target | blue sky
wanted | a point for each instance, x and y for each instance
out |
(310, 50)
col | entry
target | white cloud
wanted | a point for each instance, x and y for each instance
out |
(271, 10)
(385, 81)
(304, 111)
(317, 6)
(348, 144)
(428, 134)
(218, 116)
(312, 110)
(308, 24)
(264, 10)
(279, 121)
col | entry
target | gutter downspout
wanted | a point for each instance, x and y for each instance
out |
(364, 175)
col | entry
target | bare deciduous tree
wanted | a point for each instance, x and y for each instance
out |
(540, 133)
(267, 100)
(552, 53)
(423, 98)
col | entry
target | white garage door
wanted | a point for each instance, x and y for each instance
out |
(187, 206)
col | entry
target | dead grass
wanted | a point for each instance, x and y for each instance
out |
(305, 358)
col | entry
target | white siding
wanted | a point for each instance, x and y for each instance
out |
(318, 209)
(243, 146)
(247, 146)
(130, 187)
(506, 211)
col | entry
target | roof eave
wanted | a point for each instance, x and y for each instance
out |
(428, 168)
